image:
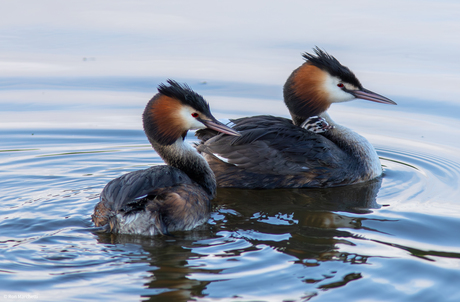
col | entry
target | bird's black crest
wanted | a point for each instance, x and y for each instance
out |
(186, 95)
(326, 62)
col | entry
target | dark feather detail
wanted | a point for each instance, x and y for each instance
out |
(129, 187)
(326, 62)
(186, 95)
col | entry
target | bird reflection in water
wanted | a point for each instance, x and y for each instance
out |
(314, 218)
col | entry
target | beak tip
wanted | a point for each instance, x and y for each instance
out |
(366, 94)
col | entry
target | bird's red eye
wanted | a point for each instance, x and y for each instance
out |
(340, 85)
(195, 115)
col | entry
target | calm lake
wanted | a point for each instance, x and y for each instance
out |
(75, 78)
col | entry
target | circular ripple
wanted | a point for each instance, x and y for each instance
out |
(410, 175)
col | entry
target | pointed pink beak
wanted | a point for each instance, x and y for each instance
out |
(218, 126)
(371, 96)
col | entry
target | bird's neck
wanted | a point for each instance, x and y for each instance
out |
(297, 120)
(357, 147)
(184, 157)
(304, 92)
(300, 107)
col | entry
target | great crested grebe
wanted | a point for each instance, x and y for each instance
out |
(166, 198)
(274, 152)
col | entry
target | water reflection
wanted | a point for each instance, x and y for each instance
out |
(310, 219)
(168, 262)
(301, 227)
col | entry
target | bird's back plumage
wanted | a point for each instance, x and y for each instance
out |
(292, 156)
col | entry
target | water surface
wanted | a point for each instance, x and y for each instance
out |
(394, 238)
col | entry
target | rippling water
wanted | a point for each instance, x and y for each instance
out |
(74, 80)
(395, 238)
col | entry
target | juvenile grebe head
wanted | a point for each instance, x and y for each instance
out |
(175, 110)
(321, 81)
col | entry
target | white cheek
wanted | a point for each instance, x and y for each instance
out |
(336, 95)
(189, 121)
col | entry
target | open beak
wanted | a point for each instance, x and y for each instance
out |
(218, 126)
(371, 96)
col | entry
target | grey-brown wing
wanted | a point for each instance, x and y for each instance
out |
(138, 184)
(182, 207)
(272, 145)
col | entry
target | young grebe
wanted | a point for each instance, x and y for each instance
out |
(309, 151)
(166, 198)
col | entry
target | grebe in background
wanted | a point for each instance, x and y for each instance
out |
(275, 152)
(171, 197)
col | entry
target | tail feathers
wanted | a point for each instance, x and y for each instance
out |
(101, 214)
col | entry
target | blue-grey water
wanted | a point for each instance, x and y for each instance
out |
(74, 80)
